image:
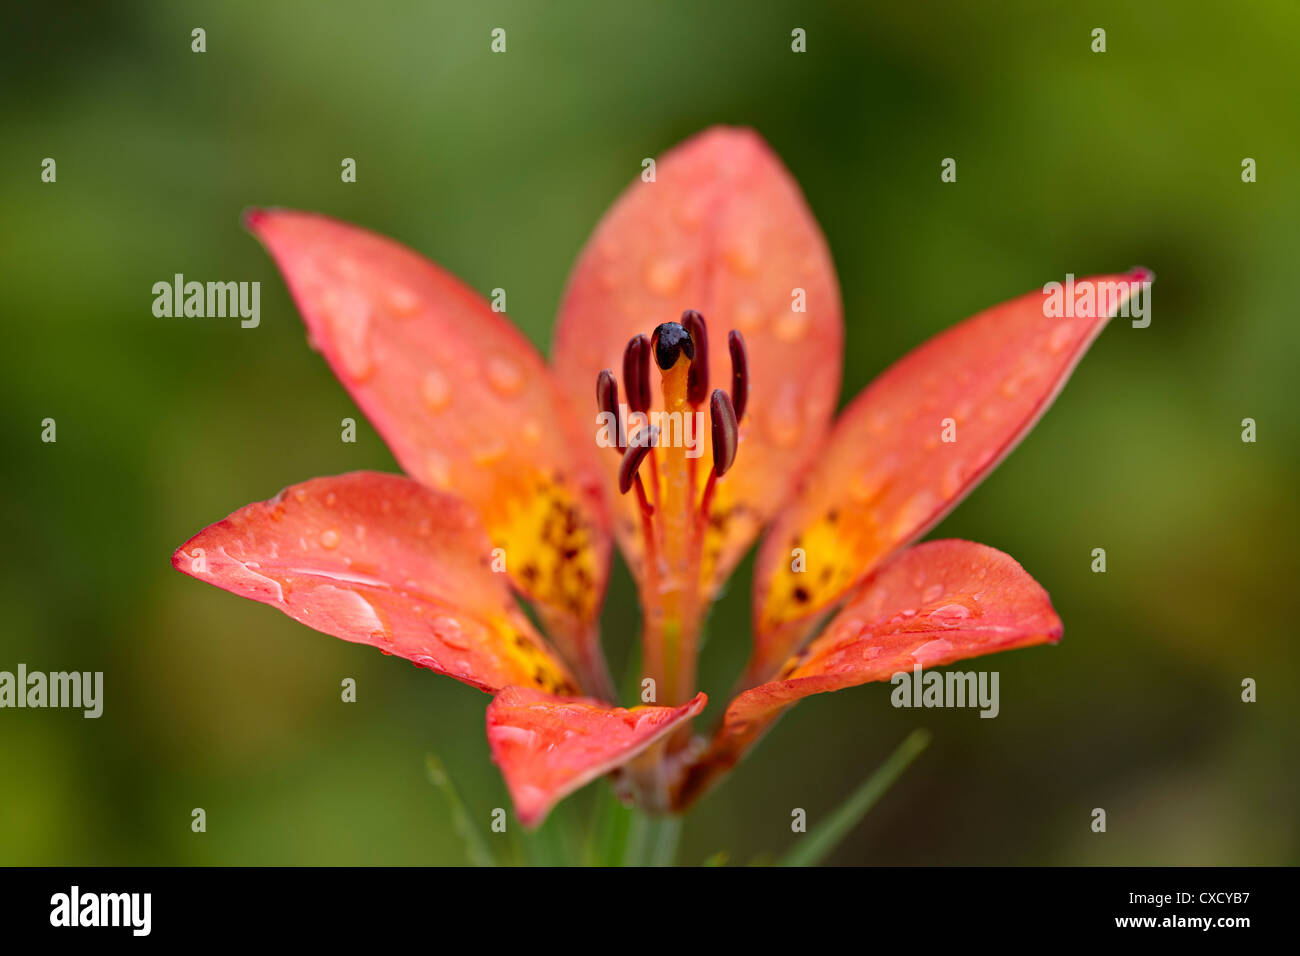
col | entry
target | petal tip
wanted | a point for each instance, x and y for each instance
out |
(253, 217)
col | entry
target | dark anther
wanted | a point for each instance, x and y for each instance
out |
(697, 380)
(632, 459)
(739, 372)
(669, 340)
(726, 434)
(636, 373)
(607, 392)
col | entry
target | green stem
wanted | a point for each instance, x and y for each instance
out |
(651, 841)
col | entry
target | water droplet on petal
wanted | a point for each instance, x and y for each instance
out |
(608, 277)
(449, 631)
(1061, 336)
(747, 316)
(329, 539)
(790, 326)
(932, 593)
(665, 276)
(402, 302)
(505, 376)
(950, 615)
(951, 482)
(742, 255)
(348, 318)
(932, 652)
(690, 214)
(437, 470)
(878, 421)
(435, 390)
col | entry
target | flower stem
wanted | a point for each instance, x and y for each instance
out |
(651, 841)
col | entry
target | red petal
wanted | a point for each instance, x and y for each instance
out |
(548, 747)
(724, 230)
(381, 560)
(463, 400)
(886, 475)
(938, 602)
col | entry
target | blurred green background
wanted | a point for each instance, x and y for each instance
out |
(497, 167)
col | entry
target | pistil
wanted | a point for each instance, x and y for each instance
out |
(674, 502)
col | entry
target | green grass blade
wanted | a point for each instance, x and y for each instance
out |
(816, 845)
(608, 834)
(476, 848)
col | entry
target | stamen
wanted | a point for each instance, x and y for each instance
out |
(607, 392)
(739, 373)
(697, 383)
(632, 458)
(670, 339)
(636, 373)
(726, 433)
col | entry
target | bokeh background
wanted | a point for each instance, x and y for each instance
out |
(497, 166)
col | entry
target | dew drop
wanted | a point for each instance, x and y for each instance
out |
(932, 651)
(449, 631)
(790, 326)
(646, 721)
(435, 390)
(950, 615)
(690, 214)
(1061, 336)
(437, 470)
(329, 539)
(402, 302)
(665, 276)
(505, 376)
(872, 482)
(503, 733)
(747, 316)
(932, 593)
(348, 317)
(951, 482)
(742, 255)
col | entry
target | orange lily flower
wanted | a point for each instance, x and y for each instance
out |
(509, 491)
